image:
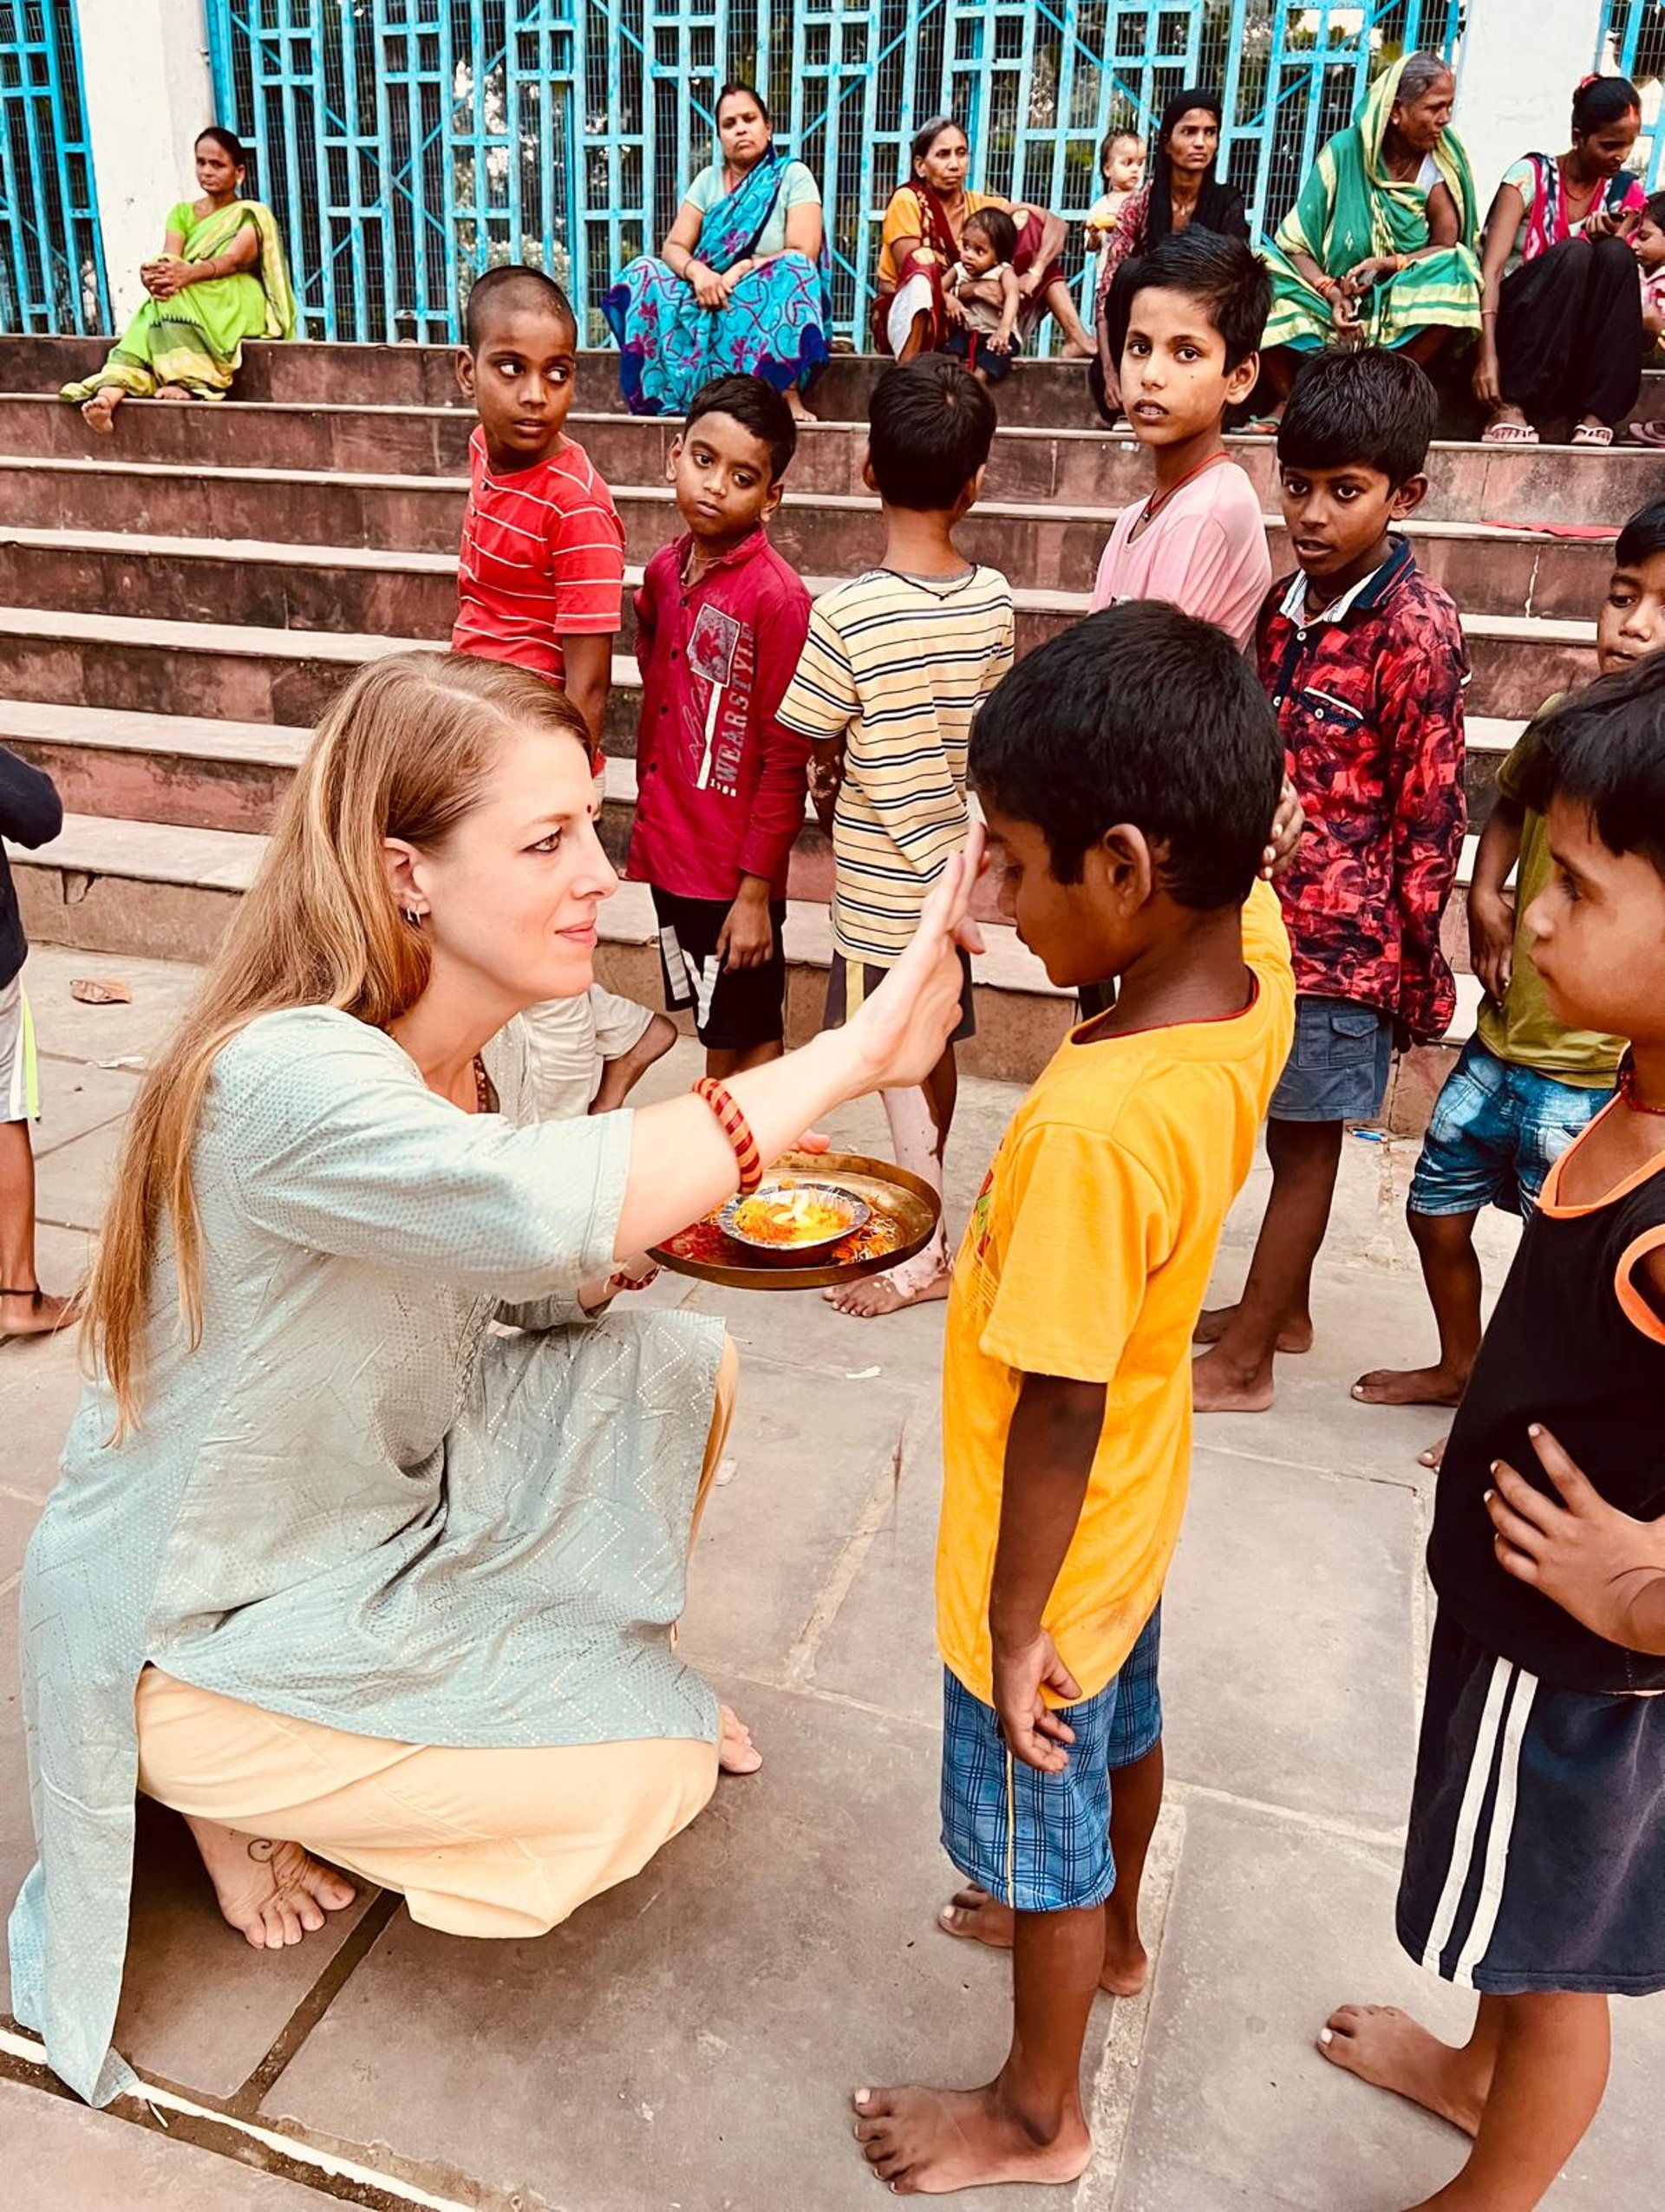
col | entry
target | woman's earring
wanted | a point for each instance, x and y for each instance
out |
(413, 917)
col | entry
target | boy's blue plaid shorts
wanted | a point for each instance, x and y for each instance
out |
(1042, 1842)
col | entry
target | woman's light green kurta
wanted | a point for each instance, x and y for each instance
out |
(355, 1502)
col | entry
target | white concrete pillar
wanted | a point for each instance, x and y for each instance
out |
(145, 70)
(1519, 63)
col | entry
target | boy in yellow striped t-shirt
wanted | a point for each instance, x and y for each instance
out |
(896, 664)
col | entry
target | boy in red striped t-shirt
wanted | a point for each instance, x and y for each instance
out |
(541, 573)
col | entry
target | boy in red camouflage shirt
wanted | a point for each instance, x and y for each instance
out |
(1364, 659)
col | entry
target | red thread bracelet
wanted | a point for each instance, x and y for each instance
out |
(736, 1129)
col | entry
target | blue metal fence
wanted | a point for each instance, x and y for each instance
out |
(51, 254)
(407, 144)
(1632, 44)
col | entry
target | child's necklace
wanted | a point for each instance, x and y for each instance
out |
(1631, 1090)
(1157, 501)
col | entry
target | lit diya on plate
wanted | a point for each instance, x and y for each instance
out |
(818, 1219)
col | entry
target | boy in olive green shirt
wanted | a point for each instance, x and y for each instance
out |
(1525, 1086)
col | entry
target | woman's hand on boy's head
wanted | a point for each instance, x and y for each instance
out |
(1598, 1564)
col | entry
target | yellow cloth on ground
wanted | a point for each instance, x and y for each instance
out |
(1087, 1257)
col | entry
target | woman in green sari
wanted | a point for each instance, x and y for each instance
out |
(220, 279)
(1379, 250)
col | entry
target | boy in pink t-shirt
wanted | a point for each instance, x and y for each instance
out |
(1190, 353)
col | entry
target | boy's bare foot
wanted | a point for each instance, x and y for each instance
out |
(799, 412)
(1294, 1336)
(736, 1752)
(1410, 1387)
(887, 1294)
(1388, 2049)
(99, 412)
(272, 1893)
(930, 2141)
(976, 1918)
(172, 392)
(1434, 1456)
(1217, 1387)
(33, 1313)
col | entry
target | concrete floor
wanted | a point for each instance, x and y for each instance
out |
(689, 2042)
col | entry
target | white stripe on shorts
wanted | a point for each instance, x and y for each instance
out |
(1508, 1707)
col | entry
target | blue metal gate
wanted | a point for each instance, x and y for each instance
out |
(410, 143)
(1632, 43)
(51, 254)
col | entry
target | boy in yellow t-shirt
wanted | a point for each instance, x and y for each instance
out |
(1130, 772)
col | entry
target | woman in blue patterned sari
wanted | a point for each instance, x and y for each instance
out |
(741, 284)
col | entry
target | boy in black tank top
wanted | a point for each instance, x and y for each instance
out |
(1535, 1861)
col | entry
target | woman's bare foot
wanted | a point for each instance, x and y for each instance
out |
(272, 1893)
(930, 2141)
(99, 412)
(1219, 1387)
(799, 411)
(33, 1313)
(1081, 348)
(736, 1752)
(1388, 2049)
(1294, 1336)
(1411, 1386)
(1434, 1456)
(874, 1294)
(172, 392)
(976, 1918)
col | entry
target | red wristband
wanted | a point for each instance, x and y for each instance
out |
(736, 1129)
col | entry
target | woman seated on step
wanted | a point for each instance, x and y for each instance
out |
(1562, 335)
(1182, 193)
(742, 285)
(220, 278)
(1379, 250)
(337, 1567)
(920, 244)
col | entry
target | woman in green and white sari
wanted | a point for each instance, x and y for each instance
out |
(1379, 250)
(220, 279)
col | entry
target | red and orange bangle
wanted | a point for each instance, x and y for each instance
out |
(736, 1129)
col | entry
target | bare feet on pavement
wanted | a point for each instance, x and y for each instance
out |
(976, 1918)
(33, 1313)
(1389, 2050)
(736, 1752)
(1219, 1387)
(1434, 1456)
(887, 1294)
(1410, 1387)
(929, 2141)
(1294, 1336)
(272, 1893)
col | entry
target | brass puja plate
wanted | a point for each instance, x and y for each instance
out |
(902, 1214)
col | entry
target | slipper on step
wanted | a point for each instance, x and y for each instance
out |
(1592, 433)
(1508, 433)
(1646, 433)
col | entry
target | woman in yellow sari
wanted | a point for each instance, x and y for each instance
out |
(220, 279)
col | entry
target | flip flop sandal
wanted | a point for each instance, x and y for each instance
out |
(1646, 433)
(1592, 433)
(1509, 434)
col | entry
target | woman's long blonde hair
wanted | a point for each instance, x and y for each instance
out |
(402, 752)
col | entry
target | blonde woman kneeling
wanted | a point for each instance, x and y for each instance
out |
(333, 1567)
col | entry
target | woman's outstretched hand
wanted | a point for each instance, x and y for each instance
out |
(903, 1030)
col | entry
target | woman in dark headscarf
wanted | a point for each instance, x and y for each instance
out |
(1183, 190)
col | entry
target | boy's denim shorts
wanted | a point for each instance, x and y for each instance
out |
(1040, 1842)
(1339, 1063)
(1496, 1131)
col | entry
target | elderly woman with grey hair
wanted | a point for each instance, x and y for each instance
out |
(1379, 250)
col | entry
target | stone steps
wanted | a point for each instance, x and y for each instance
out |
(282, 583)
(414, 375)
(251, 673)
